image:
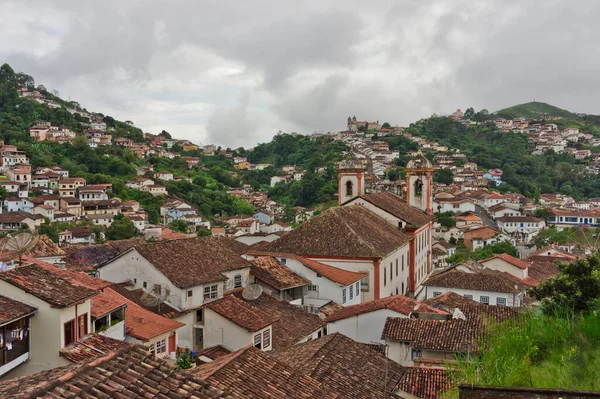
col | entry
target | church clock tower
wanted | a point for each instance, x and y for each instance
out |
(419, 179)
(351, 178)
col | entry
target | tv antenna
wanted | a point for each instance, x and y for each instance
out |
(155, 299)
(252, 292)
(20, 244)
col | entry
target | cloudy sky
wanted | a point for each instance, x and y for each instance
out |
(236, 72)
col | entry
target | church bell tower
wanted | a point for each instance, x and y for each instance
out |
(351, 178)
(419, 179)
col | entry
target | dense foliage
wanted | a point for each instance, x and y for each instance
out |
(533, 110)
(528, 174)
(540, 350)
(316, 156)
(577, 287)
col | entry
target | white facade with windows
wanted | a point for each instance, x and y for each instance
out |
(484, 297)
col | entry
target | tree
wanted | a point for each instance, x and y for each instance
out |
(121, 228)
(577, 287)
(469, 113)
(179, 226)
(165, 134)
(444, 176)
(456, 258)
(504, 247)
(386, 125)
(203, 232)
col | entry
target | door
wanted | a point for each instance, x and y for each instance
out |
(172, 343)
(199, 340)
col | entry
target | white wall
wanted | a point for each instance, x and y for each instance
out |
(327, 288)
(503, 266)
(397, 284)
(355, 265)
(365, 328)
(46, 333)
(220, 331)
(400, 352)
(511, 299)
(445, 206)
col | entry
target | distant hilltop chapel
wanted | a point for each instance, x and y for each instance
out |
(354, 125)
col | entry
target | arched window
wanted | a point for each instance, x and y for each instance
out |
(349, 188)
(418, 187)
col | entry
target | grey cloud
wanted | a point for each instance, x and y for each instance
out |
(303, 67)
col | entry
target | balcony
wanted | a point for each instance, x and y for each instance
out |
(14, 349)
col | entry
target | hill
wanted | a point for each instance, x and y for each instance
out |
(533, 110)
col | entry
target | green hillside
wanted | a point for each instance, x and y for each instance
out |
(533, 110)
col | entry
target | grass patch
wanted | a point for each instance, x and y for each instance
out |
(541, 351)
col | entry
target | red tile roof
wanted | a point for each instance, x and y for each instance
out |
(350, 232)
(332, 273)
(242, 313)
(214, 352)
(268, 270)
(90, 347)
(396, 206)
(126, 373)
(193, 261)
(11, 309)
(251, 373)
(397, 303)
(47, 285)
(105, 302)
(345, 366)
(425, 383)
(509, 259)
(482, 280)
(142, 323)
(454, 335)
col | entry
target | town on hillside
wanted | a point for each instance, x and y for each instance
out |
(334, 265)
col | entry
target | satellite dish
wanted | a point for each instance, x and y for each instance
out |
(154, 298)
(458, 315)
(252, 292)
(20, 244)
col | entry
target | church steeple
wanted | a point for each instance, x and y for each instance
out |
(351, 178)
(419, 179)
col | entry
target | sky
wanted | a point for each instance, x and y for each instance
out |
(234, 73)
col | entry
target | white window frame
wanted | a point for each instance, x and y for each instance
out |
(501, 301)
(211, 291)
(343, 296)
(237, 281)
(485, 300)
(351, 291)
(266, 337)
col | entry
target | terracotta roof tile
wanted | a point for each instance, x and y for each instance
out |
(242, 313)
(214, 353)
(330, 308)
(105, 302)
(46, 285)
(126, 373)
(482, 280)
(293, 323)
(541, 268)
(11, 309)
(509, 259)
(90, 347)
(397, 303)
(425, 383)
(193, 261)
(163, 309)
(268, 270)
(88, 257)
(350, 231)
(77, 278)
(263, 377)
(519, 219)
(332, 273)
(396, 206)
(344, 366)
(142, 323)
(456, 335)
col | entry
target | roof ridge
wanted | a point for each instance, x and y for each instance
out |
(228, 359)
